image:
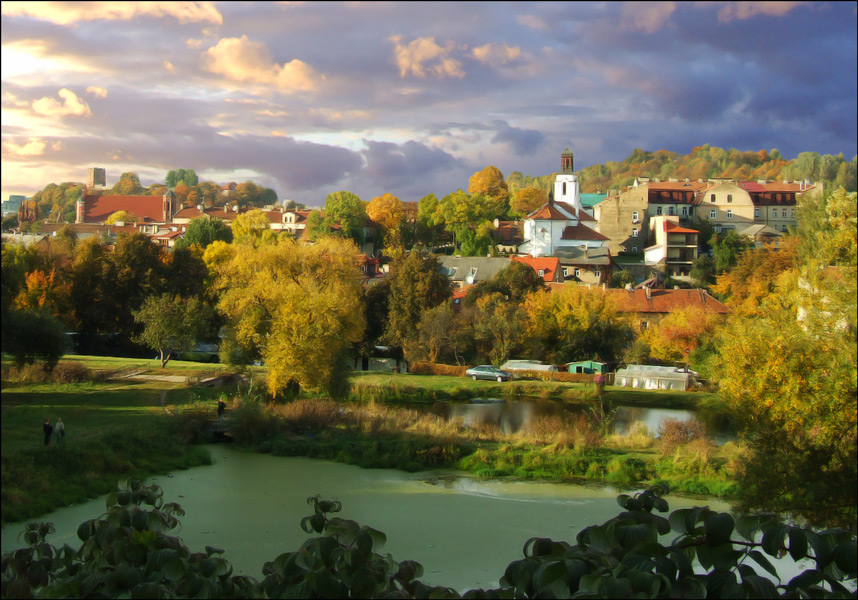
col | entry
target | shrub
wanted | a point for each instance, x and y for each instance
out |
(427, 368)
(675, 432)
(554, 376)
(30, 336)
(71, 372)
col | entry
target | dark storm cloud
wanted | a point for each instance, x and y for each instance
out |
(521, 141)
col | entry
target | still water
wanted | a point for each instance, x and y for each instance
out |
(463, 531)
(513, 416)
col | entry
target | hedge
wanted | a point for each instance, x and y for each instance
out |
(427, 368)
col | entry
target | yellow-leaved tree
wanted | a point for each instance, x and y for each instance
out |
(681, 332)
(387, 210)
(295, 305)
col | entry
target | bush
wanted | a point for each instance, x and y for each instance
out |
(71, 372)
(674, 432)
(554, 376)
(427, 368)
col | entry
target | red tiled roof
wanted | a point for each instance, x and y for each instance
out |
(582, 216)
(547, 212)
(664, 301)
(676, 185)
(549, 265)
(188, 213)
(169, 234)
(97, 209)
(581, 232)
(672, 227)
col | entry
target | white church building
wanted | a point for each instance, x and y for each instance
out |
(560, 224)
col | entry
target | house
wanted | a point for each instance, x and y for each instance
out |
(734, 206)
(624, 217)
(547, 267)
(649, 306)
(508, 236)
(468, 270)
(675, 248)
(591, 266)
(762, 235)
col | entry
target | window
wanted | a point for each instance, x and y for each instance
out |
(784, 228)
(775, 212)
(564, 188)
(690, 210)
(792, 213)
(784, 214)
(634, 249)
(729, 214)
(756, 212)
(712, 198)
(684, 211)
(541, 272)
(644, 325)
(729, 198)
(711, 214)
(635, 232)
(577, 272)
(597, 273)
(565, 272)
(671, 210)
(657, 210)
(635, 216)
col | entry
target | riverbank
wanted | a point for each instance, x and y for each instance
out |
(120, 428)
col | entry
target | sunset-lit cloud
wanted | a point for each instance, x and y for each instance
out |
(748, 10)
(496, 55)
(65, 13)
(97, 91)
(239, 59)
(648, 17)
(32, 147)
(71, 105)
(412, 58)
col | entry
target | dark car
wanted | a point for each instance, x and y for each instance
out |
(488, 372)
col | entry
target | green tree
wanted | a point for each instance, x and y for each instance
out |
(345, 215)
(434, 335)
(253, 227)
(513, 283)
(202, 231)
(188, 176)
(31, 335)
(727, 249)
(468, 218)
(416, 285)
(172, 324)
(703, 271)
(498, 327)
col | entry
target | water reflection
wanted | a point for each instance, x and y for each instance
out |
(514, 416)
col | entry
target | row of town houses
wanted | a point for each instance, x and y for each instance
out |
(566, 239)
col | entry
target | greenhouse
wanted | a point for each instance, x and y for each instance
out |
(655, 378)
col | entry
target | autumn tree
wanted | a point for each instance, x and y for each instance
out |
(435, 332)
(121, 216)
(576, 323)
(514, 282)
(490, 184)
(388, 212)
(681, 333)
(297, 306)
(788, 373)
(527, 200)
(416, 285)
(498, 327)
(172, 324)
(128, 185)
(253, 227)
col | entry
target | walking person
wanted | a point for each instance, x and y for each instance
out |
(221, 408)
(48, 431)
(60, 430)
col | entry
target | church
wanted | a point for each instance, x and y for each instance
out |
(561, 227)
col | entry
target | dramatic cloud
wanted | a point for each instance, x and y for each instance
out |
(65, 13)
(412, 58)
(239, 59)
(71, 105)
(521, 141)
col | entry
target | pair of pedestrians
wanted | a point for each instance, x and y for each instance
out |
(59, 429)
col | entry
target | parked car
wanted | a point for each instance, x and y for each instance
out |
(488, 372)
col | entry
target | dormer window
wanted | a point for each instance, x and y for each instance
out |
(635, 216)
(541, 272)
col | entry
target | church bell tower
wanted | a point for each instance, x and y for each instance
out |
(566, 187)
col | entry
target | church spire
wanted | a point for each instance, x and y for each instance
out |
(567, 161)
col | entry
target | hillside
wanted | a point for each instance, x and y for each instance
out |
(704, 162)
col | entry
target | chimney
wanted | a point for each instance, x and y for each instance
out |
(648, 292)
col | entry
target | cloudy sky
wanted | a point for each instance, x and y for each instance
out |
(412, 99)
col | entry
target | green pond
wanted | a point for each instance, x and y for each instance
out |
(463, 530)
